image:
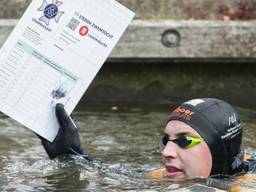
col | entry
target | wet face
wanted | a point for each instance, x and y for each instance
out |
(182, 163)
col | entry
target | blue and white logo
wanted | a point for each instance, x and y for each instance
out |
(50, 11)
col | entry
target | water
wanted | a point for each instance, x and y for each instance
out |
(123, 141)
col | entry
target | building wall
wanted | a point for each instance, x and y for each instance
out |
(152, 82)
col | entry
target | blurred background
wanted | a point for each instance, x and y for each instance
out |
(173, 51)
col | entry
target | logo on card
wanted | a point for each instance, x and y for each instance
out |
(83, 31)
(50, 11)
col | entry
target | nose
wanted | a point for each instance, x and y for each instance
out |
(170, 150)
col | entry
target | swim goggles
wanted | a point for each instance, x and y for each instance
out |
(184, 141)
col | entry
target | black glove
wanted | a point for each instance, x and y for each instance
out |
(67, 140)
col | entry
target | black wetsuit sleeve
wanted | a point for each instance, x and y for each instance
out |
(251, 164)
(67, 140)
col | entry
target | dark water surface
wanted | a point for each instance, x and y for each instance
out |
(124, 142)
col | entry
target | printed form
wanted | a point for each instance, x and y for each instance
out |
(52, 56)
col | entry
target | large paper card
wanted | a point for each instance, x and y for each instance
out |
(52, 56)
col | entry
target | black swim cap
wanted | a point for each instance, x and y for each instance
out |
(219, 124)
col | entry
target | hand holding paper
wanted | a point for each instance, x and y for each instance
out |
(67, 140)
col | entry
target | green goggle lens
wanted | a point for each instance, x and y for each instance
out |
(184, 141)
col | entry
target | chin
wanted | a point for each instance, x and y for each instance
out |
(176, 177)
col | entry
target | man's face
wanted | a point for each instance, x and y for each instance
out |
(181, 163)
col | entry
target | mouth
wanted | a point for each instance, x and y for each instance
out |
(173, 172)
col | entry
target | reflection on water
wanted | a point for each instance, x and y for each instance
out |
(125, 145)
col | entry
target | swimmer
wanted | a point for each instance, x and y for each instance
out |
(202, 138)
